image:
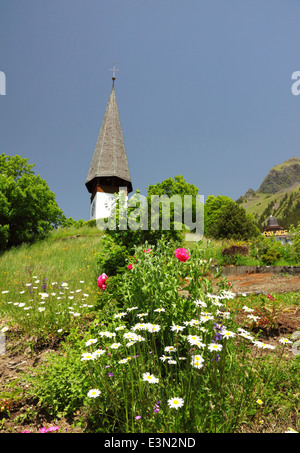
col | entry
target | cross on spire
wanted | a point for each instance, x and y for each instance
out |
(114, 71)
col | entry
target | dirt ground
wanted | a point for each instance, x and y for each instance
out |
(264, 283)
(20, 412)
(23, 415)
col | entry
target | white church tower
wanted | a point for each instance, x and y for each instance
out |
(109, 169)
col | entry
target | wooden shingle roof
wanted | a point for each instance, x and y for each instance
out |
(109, 158)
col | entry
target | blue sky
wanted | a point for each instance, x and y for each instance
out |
(204, 89)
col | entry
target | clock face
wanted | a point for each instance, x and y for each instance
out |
(109, 203)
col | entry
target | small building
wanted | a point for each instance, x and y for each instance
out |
(273, 229)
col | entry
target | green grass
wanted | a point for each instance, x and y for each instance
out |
(65, 254)
(68, 256)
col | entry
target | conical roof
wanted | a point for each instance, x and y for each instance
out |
(109, 158)
(272, 221)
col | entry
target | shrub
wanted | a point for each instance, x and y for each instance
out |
(112, 258)
(271, 257)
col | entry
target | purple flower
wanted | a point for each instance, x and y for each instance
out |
(138, 417)
(44, 286)
(156, 407)
(110, 374)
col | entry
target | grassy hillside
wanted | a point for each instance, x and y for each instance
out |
(66, 252)
(67, 256)
(278, 195)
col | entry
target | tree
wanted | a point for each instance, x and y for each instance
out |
(212, 209)
(173, 186)
(28, 209)
(234, 223)
(181, 200)
(161, 213)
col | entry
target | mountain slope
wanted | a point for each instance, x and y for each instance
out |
(278, 194)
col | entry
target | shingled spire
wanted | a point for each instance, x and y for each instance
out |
(109, 167)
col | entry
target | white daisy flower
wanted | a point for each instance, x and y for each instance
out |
(284, 341)
(254, 318)
(164, 358)
(200, 303)
(206, 317)
(123, 361)
(170, 349)
(153, 328)
(120, 315)
(175, 403)
(91, 341)
(262, 345)
(115, 345)
(199, 344)
(192, 338)
(215, 347)
(110, 334)
(177, 328)
(142, 315)
(98, 352)
(140, 326)
(228, 334)
(130, 336)
(93, 393)
(150, 378)
(87, 356)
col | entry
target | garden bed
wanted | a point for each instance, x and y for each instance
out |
(264, 283)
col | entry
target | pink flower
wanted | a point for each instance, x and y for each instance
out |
(52, 429)
(130, 266)
(147, 251)
(182, 254)
(101, 281)
(49, 430)
(26, 431)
